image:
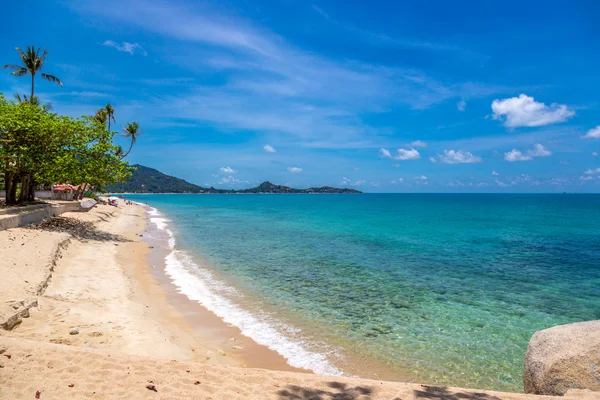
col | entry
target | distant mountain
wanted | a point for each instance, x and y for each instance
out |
(150, 180)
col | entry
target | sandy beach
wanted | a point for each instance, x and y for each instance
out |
(108, 324)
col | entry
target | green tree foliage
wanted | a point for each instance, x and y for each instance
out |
(33, 62)
(37, 146)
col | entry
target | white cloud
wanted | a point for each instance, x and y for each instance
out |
(516, 155)
(385, 153)
(525, 111)
(462, 105)
(593, 133)
(294, 170)
(399, 180)
(458, 157)
(585, 178)
(231, 180)
(539, 151)
(500, 183)
(349, 182)
(126, 47)
(410, 154)
(418, 143)
(432, 159)
(593, 171)
(595, 154)
(420, 178)
(227, 170)
(494, 173)
(402, 154)
(269, 149)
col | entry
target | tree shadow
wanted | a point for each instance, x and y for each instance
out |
(340, 391)
(82, 230)
(442, 393)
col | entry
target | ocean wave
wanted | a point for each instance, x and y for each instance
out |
(200, 285)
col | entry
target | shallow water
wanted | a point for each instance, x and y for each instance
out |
(446, 287)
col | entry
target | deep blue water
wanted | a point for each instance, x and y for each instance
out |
(449, 287)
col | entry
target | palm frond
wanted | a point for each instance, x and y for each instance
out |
(52, 78)
(23, 56)
(14, 67)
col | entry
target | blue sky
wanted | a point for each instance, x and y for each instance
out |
(411, 96)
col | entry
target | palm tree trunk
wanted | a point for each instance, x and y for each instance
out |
(32, 85)
(109, 123)
(130, 146)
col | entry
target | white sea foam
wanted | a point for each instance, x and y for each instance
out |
(200, 285)
(157, 218)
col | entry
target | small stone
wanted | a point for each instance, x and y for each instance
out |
(208, 355)
(232, 339)
(221, 352)
(74, 331)
(237, 347)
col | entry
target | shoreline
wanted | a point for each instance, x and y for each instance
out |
(261, 354)
(133, 327)
(206, 323)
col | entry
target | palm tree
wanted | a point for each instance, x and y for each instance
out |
(110, 114)
(32, 63)
(131, 131)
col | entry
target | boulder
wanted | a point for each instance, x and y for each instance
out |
(563, 357)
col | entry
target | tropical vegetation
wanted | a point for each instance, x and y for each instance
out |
(38, 146)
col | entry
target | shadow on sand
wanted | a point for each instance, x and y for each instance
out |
(341, 391)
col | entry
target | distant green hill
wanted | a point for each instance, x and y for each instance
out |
(150, 180)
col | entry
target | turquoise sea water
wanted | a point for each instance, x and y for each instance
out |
(448, 287)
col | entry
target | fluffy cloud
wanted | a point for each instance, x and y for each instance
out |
(432, 159)
(399, 180)
(539, 151)
(418, 143)
(593, 171)
(227, 170)
(462, 105)
(516, 155)
(500, 183)
(458, 157)
(593, 133)
(269, 149)
(402, 154)
(494, 173)
(585, 178)
(126, 47)
(294, 170)
(525, 111)
(595, 154)
(420, 178)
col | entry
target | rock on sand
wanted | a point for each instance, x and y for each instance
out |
(563, 357)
